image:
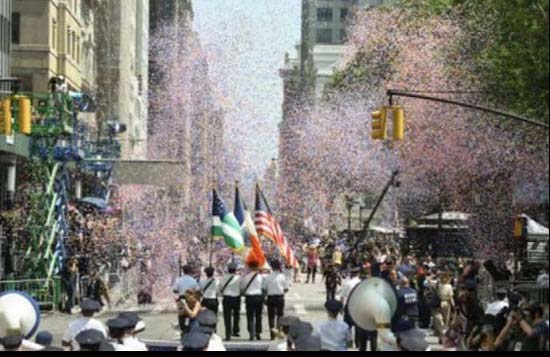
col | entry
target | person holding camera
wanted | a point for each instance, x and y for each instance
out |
(534, 328)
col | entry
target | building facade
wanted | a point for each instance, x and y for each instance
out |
(122, 61)
(5, 45)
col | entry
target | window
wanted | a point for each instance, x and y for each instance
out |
(344, 14)
(54, 34)
(324, 14)
(68, 44)
(324, 36)
(16, 28)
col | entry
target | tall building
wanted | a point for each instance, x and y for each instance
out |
(5, 45)
(324, 28)
(122, 61)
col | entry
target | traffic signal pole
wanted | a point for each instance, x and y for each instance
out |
(396, 93)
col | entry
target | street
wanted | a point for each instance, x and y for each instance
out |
(305, 301)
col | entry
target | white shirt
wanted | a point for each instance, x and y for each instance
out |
(130, 344)
(234, 287)
(83, 324)
(211, 292)
(255, 287)
(335, 335)
(496, 307)
(275, 284)
(348, 286)
(216, 344)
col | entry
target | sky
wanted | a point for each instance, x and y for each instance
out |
(246, 42)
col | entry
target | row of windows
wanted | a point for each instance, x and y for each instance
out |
(325, 36)
(72, 45)
(326, 14)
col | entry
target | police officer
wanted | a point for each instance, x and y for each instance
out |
(251, 288)
(408, 302)
(230, 289)
(275, 286)
(209, 289)
(207, 321)
(92, 340)
(86, 322)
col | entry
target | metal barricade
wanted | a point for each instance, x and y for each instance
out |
(529, 289)
(46, 292)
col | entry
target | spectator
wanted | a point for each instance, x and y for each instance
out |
(535, 329)
(542, 279)
(312, 260)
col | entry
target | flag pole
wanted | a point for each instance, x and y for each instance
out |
(210, 248)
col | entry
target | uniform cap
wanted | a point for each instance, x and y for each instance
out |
(132, 317)
(207, 318)
(333, 306)
(232, 266)
(89, 338)
(44, 338)
(119, 324)
(90, 305)
(195, 341)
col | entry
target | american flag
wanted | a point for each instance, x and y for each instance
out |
(267, 226)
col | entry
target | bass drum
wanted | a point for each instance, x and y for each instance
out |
(19, 314)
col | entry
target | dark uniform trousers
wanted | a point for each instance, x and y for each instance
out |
(254, 307)
(275, 308)
(212, 305)
(231, 309)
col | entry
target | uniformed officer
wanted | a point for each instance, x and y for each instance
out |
(251, 288)
(230, 290)
(129, 341)
(207, 321)
(92, 340)
(275, 286)
(209, 289)
(12, 343)
(196, 341)
(86, 322)
(408, 302)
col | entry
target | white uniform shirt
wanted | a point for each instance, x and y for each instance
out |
(211, 292)
(275, 284)
(216, 344)
(83, 324)
(130, 344)
(234, 287)
(348, 286)
(255, 287)
(335, 335)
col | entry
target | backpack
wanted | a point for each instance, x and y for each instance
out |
(432, 297)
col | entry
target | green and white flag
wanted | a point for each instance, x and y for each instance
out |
(225, 225)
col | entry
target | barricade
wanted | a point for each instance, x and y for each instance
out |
(46, 292)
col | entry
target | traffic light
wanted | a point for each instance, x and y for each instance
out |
(519, 227)
(6, 117)
(379, 124)
(398, 122)
(25, 115)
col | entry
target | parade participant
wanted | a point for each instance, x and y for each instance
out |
(90, 340)
(312, 259)
(409, 338)
(335, 334)
(44, 338)
(230, 290)
(207, 321)
(185, 282)
(129, 341)
(196, 341)
(332, 281)
(280, 344)
(209, 289)
(251, 288)
(87, 322)
(275, 286)
(408, 302)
